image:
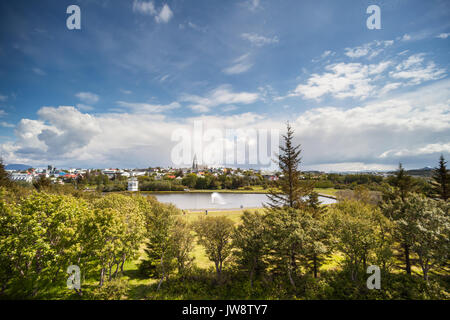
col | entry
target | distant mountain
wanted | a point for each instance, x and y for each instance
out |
(17, 167)
(423, 172)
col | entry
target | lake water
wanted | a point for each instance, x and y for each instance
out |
(211, 201)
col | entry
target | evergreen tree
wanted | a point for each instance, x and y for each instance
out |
(289, 190)
(403, 182)
(441, 180)
(4, 176)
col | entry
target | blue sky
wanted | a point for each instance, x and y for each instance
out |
(112, 93)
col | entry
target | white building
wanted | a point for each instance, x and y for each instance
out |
(21, 177)
(133, 184)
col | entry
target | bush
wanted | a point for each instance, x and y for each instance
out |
(115, 289)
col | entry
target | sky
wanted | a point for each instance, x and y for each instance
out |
(113, 93)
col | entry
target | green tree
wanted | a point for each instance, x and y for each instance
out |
(428, 226)
(160, 219)
(403, 186)
(441, 180)
(40, 237)
(287, 235)
(132, 228)
(215, 235)
(318, 247)
(190, 180)
(42, 183)
(182, 243)
(355, 229)
(249, 240)
(4, 176)
(289, 190)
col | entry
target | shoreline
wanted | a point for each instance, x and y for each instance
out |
(212, 191)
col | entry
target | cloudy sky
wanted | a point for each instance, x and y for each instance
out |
(113, 93)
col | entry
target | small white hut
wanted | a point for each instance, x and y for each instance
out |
(133, 184)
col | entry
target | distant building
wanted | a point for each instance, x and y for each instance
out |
(21, 177)
(194, 164)
(133, 184)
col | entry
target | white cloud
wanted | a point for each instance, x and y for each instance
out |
(87, 97)
(406, 37)
(253, 4)
(432, 148)
(371, 49)
(443, 35)
(415, 71)
(389, 87)
(6, 124)
(164, 15)
(144, 7)
(39, 72)
(126, 91)
(342, 80)
(84, 107)
(147, 108)
(239, 65)
(259, 40)
(222, 95)
(148, 8)
(3, 98)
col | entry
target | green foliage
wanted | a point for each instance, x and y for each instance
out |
(356, 228)
(4, 176)
(441, 181)
(249, 240)
(115, 289)
(214, 233)
(39, 238)
(159, 222)
(289, 190)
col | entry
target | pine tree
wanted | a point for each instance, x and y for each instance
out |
(403, 182)
(289, 190)
(404, 185)
(4, 176)
(441, 180)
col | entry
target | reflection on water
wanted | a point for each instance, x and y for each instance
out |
(206, 200)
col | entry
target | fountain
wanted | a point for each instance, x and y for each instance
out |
(217, 199)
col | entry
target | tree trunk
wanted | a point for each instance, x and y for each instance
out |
(163, 273)
(315, 265)
(407, 259)
(291, 280)
(102, 275)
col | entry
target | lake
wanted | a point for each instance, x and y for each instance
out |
(211, 201)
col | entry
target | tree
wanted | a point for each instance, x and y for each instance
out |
(160, 219)
(4, 176)
(318, 247)
(428, 226)
(182, 243)
(132, 227)
(215, 234)
(39, 237)
(190, 180)
(42, 183)
(289, 190)
(355, 229)
(287, 235)
(441, 180)
(403, 185)
(402, 182)
(249, 239)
